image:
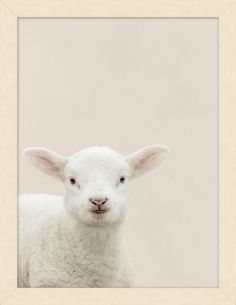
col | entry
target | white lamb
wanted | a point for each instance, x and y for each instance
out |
(76, 240)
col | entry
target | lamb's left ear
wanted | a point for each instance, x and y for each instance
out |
(47, 161)
(145, 159)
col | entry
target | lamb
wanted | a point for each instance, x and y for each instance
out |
(76, 240)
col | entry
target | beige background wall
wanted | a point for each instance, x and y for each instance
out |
(127, 83)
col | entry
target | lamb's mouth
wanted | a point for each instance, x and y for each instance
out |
(99, 211)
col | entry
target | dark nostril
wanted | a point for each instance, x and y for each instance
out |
(98, 201)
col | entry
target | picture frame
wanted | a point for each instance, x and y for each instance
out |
(10, 12)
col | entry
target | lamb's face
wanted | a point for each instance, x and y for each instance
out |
(96, 179)
(96, 186)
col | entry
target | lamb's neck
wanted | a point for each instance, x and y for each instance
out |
(98, 238)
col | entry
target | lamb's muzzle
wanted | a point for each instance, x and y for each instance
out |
(99, 201)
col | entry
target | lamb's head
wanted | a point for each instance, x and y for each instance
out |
(96, 179)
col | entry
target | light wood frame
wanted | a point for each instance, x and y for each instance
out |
(225, 11)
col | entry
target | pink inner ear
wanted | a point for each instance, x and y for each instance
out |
(49, 164)
(141, 162)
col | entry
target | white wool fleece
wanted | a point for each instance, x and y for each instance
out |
(76, 240)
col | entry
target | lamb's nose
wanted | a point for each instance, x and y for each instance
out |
(98, 200)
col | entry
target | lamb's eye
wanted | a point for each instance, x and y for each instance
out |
(122, 179)
(72, 181)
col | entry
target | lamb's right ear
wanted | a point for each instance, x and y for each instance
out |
(46, 160)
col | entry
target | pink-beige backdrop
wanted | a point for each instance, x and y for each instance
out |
(127, 83)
